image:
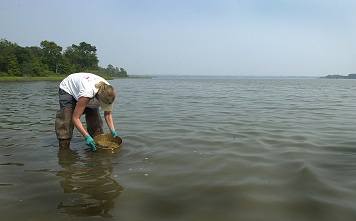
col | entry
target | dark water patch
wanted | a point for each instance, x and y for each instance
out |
(12, 164)
(5, 184)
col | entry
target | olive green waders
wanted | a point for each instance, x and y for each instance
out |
(64, 125)
(94, 121)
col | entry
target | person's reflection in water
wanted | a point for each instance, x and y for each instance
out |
(88, 185)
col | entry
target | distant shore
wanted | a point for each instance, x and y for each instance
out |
(60, 78)
(336, 76)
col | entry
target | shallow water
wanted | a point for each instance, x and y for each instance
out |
(193, 149)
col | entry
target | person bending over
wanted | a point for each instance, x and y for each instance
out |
(84, 93)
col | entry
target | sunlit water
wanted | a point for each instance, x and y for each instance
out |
(194, 149)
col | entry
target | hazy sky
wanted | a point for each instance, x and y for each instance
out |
(222, 37)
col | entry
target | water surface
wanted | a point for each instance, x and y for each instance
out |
(194, 149)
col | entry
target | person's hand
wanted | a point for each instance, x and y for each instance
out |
(113, 132)
(90, 142)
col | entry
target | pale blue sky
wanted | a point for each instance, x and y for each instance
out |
(195, 37)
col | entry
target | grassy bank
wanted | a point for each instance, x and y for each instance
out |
(29, 79)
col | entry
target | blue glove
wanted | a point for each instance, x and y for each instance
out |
(90, 142)
(113, 132)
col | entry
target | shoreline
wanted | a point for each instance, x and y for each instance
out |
(29, 79)
(34, 79)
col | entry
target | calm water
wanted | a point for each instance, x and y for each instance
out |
(194, 149)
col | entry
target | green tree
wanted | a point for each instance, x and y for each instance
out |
(12, 66)
(37, 51)
(29, 63)
(51, 55)
(8, 60)
(19, 61)
(48, 59)
(82, 56)
(34, 68)
(110, 70)
(115, 72)
(65, 66)
(123, 73)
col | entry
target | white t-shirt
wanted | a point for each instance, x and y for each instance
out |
(83, 85)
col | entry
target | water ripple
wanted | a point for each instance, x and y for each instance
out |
(194, 149)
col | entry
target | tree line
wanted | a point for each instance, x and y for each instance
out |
(50, 59)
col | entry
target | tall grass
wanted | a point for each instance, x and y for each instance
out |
(28, 79)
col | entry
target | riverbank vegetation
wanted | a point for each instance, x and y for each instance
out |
(29, 79)
(50, 62)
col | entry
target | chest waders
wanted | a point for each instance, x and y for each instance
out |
(93, 121)
(64, 125)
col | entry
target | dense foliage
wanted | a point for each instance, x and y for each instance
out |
(50, 59)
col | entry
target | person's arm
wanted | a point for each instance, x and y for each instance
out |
(109, 120)
(78, 111)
